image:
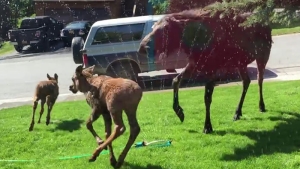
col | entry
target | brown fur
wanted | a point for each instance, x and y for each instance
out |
(109, 97)
(47, 91)
(232, 46)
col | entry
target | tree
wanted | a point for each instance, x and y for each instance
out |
(160, 6)
(264, 10)
(5, 19)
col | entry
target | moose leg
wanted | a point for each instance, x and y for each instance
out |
(260, 77)
(134, 132)
(89, 124)
(34, 106)
(50, 100)
(42, 109)
(209, 89)
(246, 82)
(176, 83)
(108, 123)
(118, 130)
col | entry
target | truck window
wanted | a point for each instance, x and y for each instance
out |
(120, 33)
(31, 23)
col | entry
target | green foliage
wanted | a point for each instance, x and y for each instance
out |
(160, 6)
(19, 9)
(263, 11)
(22, 7)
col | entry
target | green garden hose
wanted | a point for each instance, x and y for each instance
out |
(156, 143)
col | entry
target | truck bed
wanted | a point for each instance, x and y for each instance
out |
(23, 37)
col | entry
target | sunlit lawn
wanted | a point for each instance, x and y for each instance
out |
(282, 30)
(6, 48)
(270, 140)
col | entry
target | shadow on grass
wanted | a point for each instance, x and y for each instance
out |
(280, 26)
(284, 138)
(134, 166)
(69, 125)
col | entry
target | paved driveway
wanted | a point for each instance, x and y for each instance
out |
(20, 75)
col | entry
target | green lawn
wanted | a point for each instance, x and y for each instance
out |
(269, 140)
(281, 30)
(6, 48)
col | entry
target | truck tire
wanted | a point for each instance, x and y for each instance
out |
(46, 44)
(125, 69)
(76, 46)
(18, 48)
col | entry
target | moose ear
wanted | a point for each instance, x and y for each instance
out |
(90, 69)
(48, 76)
(79, 69)
(55, 76)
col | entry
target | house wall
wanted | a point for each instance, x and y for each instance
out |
(113, 7)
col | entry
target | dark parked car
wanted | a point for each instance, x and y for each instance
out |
(35, 31)
(75, 29)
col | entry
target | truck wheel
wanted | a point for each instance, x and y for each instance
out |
(124, 69)
(76, 46)
(18, 48)
(46, 45)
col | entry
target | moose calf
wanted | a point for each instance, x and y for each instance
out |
(109, 97)
(47, 91)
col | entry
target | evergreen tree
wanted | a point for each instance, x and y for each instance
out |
(264, 10)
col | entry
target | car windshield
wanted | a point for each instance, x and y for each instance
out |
(31, 23)
(74, 25)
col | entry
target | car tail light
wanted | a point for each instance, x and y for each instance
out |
(8, 35)
(81, 32)
(85, 59)
(37, 33)
(61, 33)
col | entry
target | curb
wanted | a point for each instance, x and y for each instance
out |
(79, 96)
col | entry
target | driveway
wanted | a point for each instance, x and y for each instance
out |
(20, 75)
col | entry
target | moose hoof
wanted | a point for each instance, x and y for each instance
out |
(39, 122)
(118, 165)
(237, 115)
(92, 159)
(207, 130)
(113, 161)
(262, 109)
(179, 112)
(30, 128)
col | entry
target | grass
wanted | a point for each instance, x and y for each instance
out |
(6, 48)
(269, 140)
(282, 30)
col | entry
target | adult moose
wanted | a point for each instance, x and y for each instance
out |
(212, 43)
